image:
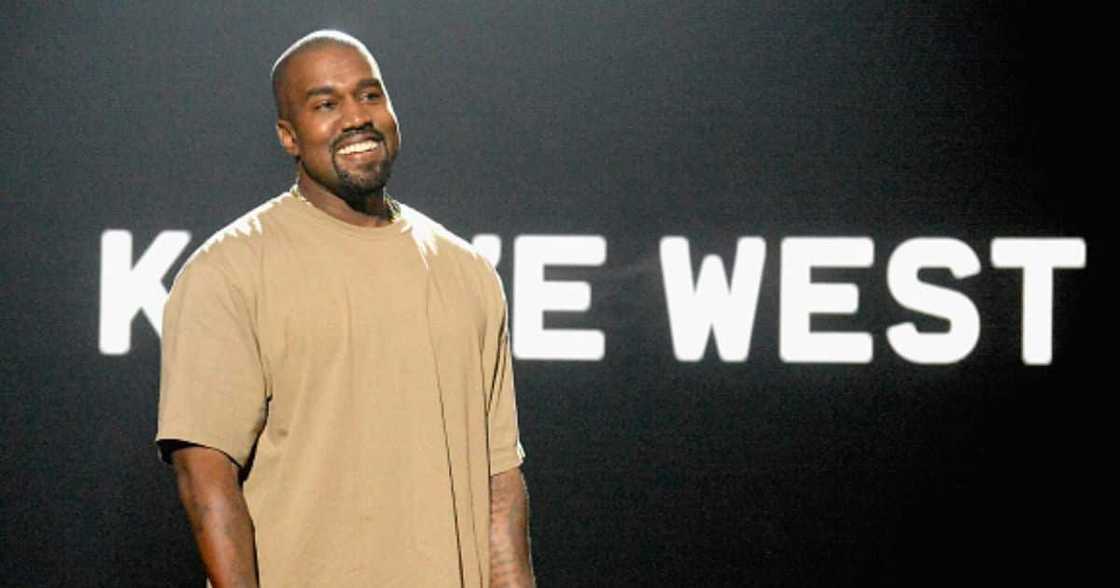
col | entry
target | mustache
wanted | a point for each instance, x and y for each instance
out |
(366, 131)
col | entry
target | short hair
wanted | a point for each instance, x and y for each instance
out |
(312, 40)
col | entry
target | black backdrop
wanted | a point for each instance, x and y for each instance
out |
(633, 121)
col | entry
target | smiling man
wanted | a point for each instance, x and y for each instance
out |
(336, 390)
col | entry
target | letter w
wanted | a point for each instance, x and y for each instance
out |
(711, 306)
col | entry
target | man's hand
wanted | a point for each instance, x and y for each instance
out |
(211, 494)
(510, 561)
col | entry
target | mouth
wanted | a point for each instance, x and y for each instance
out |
(359, 148)
(359, 144)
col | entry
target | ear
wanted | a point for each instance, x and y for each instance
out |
(287, 136)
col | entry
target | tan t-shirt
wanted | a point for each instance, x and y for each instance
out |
(362, 379)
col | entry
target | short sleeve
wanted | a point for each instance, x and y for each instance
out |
(212, 387)
(505, 442)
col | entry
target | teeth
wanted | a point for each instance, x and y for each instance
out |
(358, 147)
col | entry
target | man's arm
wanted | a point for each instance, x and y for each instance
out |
(511, 564)
(211, 494)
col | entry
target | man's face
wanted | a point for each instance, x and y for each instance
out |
(338, 120)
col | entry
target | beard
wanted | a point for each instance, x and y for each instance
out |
(356, 186)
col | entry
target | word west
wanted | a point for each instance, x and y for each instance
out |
(701, 305)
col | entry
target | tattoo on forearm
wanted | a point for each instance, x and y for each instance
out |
(223, 530)
(510, 563)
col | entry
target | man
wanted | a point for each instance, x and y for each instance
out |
(336, 387)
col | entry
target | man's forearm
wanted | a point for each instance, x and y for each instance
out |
(219, 517)
(510, 561)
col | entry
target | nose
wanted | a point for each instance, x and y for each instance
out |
(354, 116)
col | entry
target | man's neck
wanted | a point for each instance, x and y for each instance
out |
(368, 210)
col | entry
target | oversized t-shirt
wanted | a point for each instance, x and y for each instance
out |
(361, 378)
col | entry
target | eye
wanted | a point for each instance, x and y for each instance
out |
(323, 105)
(371, 95)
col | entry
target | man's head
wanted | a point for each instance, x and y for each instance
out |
(334, 115)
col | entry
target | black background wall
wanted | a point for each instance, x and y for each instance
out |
(633, 121)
